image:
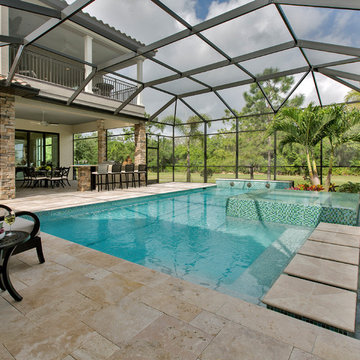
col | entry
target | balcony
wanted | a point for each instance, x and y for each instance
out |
(70, 75)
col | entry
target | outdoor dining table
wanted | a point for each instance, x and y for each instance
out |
(7, 245)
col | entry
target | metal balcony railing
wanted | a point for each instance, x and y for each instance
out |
(70, 75)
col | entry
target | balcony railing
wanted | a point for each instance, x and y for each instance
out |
(70, 75)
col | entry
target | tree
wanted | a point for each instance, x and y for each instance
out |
(340, 130)
(191, 130)
(352, 96)
(85, 148)
(255, 103)
(306, 127)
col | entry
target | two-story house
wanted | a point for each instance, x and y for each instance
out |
(45, 98)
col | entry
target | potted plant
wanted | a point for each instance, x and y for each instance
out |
(2, 230)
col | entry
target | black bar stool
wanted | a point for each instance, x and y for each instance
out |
(142, 170)
(116, 170)
(102, 176)
(129, 172)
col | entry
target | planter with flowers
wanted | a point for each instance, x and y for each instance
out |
(2, 230)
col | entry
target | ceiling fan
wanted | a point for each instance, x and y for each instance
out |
(44, 122)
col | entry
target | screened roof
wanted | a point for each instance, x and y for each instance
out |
(201, 61)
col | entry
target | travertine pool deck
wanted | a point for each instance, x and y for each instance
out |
(83, 304)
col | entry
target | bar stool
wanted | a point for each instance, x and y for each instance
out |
(129, 171)
(101, 174)
(142, 170)
(116, 170)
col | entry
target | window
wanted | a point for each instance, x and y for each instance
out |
(86, 148)
(34, 148)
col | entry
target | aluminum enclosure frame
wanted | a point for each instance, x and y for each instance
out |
(58, 12)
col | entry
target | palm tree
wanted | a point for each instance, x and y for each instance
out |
(352, 95)
(339, 131)
(301, 126)
(191, 130)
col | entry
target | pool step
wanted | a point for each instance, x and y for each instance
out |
(320, 284)
(335, 238)
(342, 229)
(327, 272)
(323, 303)
(333, 252)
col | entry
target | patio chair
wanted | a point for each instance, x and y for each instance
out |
(37, 177)
(27, 177)
(65, 175)
(116, 172)
(31, 226)
(129, 172)
(102, 176)
(142, 170)
(55, 178)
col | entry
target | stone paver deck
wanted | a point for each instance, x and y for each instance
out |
(326, 304)
(345, 254)
(83, 304)
(336, 238)
(328, 272)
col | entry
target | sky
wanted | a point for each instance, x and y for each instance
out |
(146, 22)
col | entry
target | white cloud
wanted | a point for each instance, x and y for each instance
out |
(146, 22)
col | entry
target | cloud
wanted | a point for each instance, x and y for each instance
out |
(146, 22)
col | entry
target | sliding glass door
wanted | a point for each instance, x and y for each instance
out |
(34, 148)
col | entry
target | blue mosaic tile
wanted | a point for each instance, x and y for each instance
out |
(298, 209)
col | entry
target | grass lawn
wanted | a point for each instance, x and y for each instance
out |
(195, 177)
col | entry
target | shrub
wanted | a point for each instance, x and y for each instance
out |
(350, 187)
(307, 187)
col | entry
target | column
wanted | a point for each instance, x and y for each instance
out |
(101, 141)
(139, 72)
(88, 57)
(140, 144)
(4, 30)
(7, 146)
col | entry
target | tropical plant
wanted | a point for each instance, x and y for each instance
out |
(340, 130)
(304, 127)
(352, 95)
(350, 187)
(190, 129)
(307, 187)
(276, 90)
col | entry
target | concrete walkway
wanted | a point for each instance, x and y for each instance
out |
(83, 304)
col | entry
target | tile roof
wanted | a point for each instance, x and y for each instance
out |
(15, 81)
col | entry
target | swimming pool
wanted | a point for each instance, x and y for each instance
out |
(186, 235)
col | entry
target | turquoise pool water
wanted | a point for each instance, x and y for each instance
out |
(186, 235)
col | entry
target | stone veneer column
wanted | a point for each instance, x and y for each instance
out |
(7, 146)
(101, 141)
(140, 144)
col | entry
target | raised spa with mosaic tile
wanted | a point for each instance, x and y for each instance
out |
(295, 207)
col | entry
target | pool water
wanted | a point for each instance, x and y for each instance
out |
(186, 235)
